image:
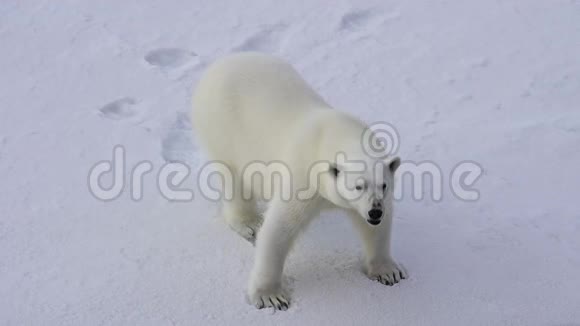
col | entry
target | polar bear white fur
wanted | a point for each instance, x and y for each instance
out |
(255, 110)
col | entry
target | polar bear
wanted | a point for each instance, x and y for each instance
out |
(252, 109)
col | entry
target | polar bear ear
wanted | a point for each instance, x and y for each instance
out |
(333, 169)
(394, 164)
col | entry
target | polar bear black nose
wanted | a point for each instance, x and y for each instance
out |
(375, 214)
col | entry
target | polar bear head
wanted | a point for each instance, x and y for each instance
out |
(365, 186)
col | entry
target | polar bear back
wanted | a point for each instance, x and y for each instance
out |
(247, 105)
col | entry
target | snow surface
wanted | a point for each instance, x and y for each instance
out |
(496, 82)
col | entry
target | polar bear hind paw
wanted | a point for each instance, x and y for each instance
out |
(248, 231)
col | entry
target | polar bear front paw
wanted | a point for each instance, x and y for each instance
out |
(387, 272)
(275, 298)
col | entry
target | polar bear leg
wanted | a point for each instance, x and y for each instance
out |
(241, 212)
(282, 224)
(379, 264)
(243, 217)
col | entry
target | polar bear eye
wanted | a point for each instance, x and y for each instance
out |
(334, 170)
(360, 187)
(384, 186)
